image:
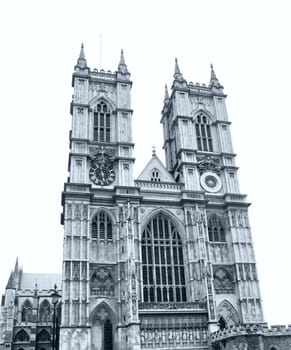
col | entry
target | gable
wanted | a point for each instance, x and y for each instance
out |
(155, 171)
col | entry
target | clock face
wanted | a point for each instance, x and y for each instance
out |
(210, 182)
(102, 174)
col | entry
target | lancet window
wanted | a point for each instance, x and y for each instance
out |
(155, 175)
(216, 232)
(26, 313)
(44, 311)
(101, 226)
(162, 262)
(101, 129)
(203, 133)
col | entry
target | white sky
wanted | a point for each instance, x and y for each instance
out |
(247, 41)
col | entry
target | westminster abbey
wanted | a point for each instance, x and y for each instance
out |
(164, 261)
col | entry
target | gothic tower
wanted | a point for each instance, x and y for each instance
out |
(200, 157)
(160, 261)
(100, 214)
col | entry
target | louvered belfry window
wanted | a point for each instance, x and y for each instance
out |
(101, 129)
(101, 226)
(203, 133)
(162, 262)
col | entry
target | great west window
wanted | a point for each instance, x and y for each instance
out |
(162, 262)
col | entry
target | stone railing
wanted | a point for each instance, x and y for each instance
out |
(235, 198)
(103, 75)
(248, 329)
(163, 186)
(173, 306)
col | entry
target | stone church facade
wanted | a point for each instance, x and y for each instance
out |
(164, 261)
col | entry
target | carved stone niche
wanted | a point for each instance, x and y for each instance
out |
(223, 279)
(102, 280)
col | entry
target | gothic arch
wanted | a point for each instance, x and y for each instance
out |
(102, 312)
(227, 311)
(108, 212)
(43, 336)
(26, 311)
(97, 99)
(199, 110)
(178, 224)
(21, 336)
(216, 228)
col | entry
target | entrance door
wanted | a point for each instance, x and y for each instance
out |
(107, 335)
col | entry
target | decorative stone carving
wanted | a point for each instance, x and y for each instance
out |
(102, 281)
(173, 331)
(223, 279)
(206, 164)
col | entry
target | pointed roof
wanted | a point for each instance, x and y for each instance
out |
(10, 283)
(155, 164)
(177, 75)
(82, 60)
(122, 65)
(213, 78)
(166, 98)
(16, 267)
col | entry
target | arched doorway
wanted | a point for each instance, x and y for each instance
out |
(102, 328)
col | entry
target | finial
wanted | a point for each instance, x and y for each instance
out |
(82, 60)
(55, 286)
(16, 266)
(166, 93)
(177, 75)
(122, 65)
(177, 69)
(213, 75)
(82, 54)
(213, 79)
(153, 150)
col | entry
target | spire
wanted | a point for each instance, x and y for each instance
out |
(16, 267)
(177, 75)
(213, 78)
(82, 60)
(166, 98)
(122, 66)
(10, 283)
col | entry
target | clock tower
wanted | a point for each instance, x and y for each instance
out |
(99, 203)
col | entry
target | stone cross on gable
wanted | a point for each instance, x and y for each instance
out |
(102, 314)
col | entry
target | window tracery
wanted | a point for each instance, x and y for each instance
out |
(26, 313)
(102, 123)
(162, 262)
(216, 232)
(21, 336)
(203, 133)
(101, 227)
(43, 336)
(44, 311)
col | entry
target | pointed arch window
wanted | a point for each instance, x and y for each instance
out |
(101, 227)
(216, 232)
(26, 313)
(44, 311)
(162, 262)
(203, 133)
(102, 123)
(21, 336)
